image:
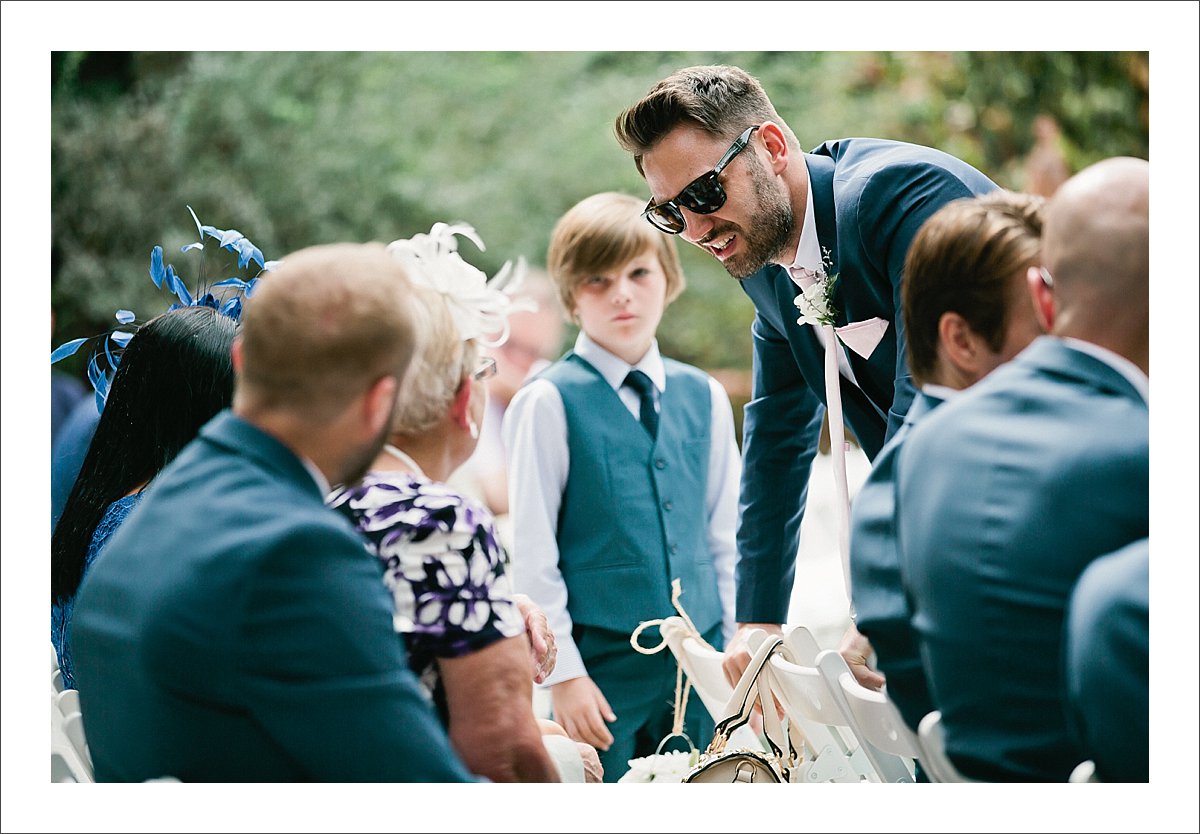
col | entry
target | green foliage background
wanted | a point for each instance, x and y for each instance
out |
(295, 149)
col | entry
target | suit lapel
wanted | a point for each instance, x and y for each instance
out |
(820, 180)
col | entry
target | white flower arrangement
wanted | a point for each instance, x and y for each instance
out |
(479, 307)
(816, 303)
(661, 767)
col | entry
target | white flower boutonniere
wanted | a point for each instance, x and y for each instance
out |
(816, 303)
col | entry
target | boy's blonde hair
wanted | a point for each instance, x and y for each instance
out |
(604, 232)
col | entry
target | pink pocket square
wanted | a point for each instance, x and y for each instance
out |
(863, 337)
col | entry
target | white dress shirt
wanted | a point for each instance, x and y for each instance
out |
(808, 262)
(535, 437)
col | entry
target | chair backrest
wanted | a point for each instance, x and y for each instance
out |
(933, 741)
(803, 690)
(68, 702)
(67, 763)
(1085, 771)
(703, 667)
(835, 753)
(888, 742)
(801, 647)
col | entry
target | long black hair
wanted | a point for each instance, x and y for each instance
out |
(175, 374)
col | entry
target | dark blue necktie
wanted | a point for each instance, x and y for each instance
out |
(641, 383)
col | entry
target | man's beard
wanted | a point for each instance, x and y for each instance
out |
(359, 462)
(769, 228)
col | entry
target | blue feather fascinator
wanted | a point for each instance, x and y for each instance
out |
(227, 300)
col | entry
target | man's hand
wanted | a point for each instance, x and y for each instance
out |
(543, 651)
(737, 654)
(582, 710)
(856, 650)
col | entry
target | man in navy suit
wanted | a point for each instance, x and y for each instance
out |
(1008, 492)
(1107, 663)
(967, 310)
(780, 221)
(236, 629)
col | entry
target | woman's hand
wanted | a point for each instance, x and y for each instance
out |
(542, 649)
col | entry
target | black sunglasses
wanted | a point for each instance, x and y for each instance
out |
(703, 195)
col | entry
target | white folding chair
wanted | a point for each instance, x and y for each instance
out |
(933, 742)
(702, 665)
(68, 702)
(1085, 771)
(835, 753)
(66, 762)
(888, 743)
(73, 727)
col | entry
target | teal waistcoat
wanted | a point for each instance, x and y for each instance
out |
(633, 510)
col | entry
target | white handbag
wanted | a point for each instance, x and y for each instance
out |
(717, 764)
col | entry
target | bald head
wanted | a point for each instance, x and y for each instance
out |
(1096, 244)
(322, 328)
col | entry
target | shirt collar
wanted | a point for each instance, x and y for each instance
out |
(614, 369)
(317, 475)
(940, 392)
(1118, 363)
(808, 251)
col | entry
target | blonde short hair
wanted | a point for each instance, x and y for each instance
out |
(323, 327)
(438, 366)
(603, 232)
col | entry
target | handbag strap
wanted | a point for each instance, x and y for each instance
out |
(787, 746)
(741, 702)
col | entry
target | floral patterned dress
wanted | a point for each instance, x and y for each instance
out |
(442, 564)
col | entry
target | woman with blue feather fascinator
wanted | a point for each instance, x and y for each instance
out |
(156, 384)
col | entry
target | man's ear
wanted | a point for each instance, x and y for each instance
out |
(1043, 297)
(235, 354)
(378, 404)
(775, 144)
(961, 347)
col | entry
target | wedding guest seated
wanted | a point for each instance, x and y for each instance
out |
(1007, 493)
(163, 380)
(448, 577)
(236, 629)
(174, 375)
(1108, 663)
(967, 310)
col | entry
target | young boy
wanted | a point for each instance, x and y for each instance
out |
(623, 475)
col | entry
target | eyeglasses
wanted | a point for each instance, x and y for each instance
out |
(703, 195)
(486, 369)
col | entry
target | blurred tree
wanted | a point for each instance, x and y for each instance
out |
(295, 149)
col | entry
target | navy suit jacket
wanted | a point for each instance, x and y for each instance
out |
(236, 629)
(881, 606)
(1108, 663)
(870, 196)
(1004, 495)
